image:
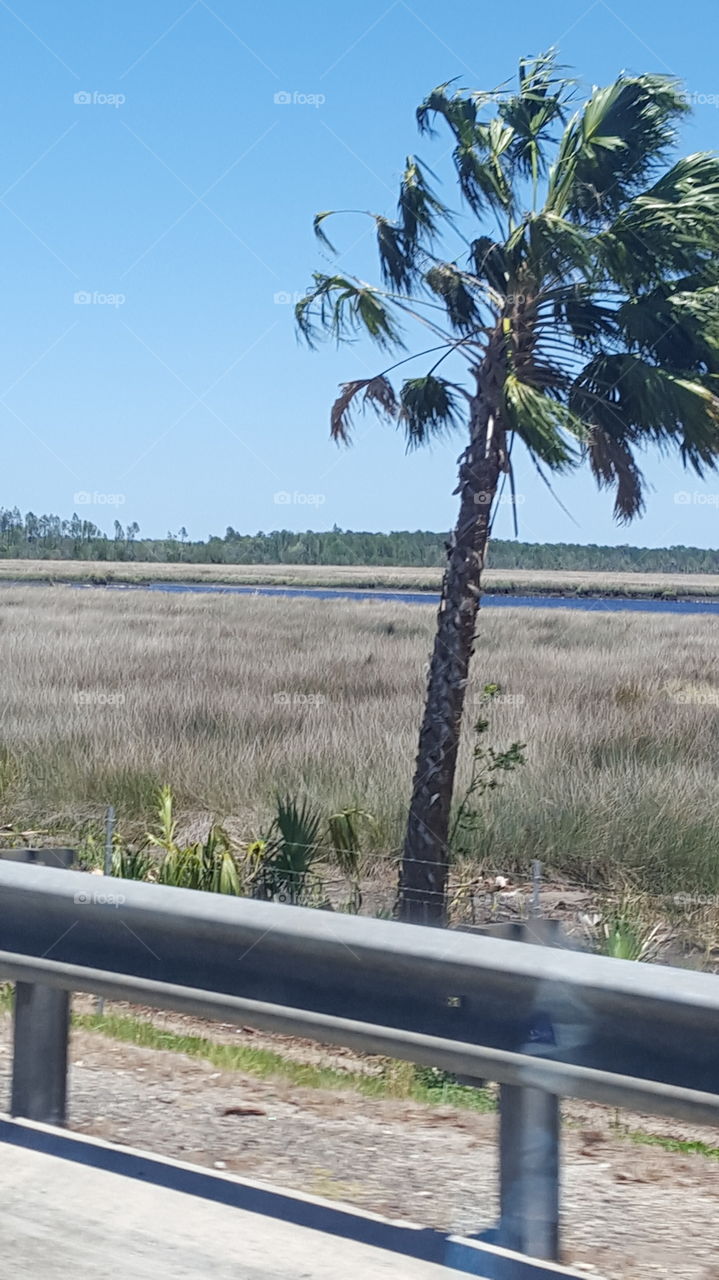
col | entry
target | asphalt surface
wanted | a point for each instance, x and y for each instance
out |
(61, 1221)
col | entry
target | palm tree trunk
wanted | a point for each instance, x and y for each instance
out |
(423, 876)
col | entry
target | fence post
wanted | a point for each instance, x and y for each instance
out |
(41, 1028)
(107, 871)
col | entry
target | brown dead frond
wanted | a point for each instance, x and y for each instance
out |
(378, 392)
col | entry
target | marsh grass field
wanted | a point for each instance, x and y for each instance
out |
(106, 696)
(517, 581)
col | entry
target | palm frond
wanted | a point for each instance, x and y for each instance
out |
(291, 849)
(377, 391)
(462, 302)
(396, 263)
(419, 208)
(345, 836)
(428, 408)
(459, 109)
(399, 243)
(540, 103)
(629, 398)
(679, 330)
(574, 309)
(482, 177)
(543, 423)
(318, 228)
(612, 147)
(342, 308)
(554, 248)
(668, 229)
(614, 467)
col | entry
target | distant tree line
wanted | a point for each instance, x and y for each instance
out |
(47, 537)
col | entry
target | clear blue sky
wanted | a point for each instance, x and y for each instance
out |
(194, 197)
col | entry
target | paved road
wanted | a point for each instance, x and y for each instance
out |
(63, 1221)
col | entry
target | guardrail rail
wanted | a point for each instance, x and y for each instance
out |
(544, 1023)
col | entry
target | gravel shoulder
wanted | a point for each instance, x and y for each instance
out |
(630, 1212)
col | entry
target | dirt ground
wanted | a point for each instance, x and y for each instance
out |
(630, 1212)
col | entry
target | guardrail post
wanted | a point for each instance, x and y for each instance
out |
(41, 1028)
(529, 1126)
(529, 1133)
(39, 1076)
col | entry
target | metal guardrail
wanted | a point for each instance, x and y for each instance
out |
(542, 1022)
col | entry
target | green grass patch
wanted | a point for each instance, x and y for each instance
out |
(402, 1080)
(688, 1148)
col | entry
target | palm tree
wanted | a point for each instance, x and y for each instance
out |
(581, 309)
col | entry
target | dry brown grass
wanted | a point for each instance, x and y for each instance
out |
(562, 581)
(105, 696)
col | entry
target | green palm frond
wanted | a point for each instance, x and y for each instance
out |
(290, 850)
(554, 248)
(574, 310)
(420, 210)
(612, 147)
(345, 308)
(531, 113)
(396, 263)
(458, 109)
(679, 330)
(345, 837)
(543, 422)
(482, 176)
(418, 216)
(632, 399)
(318, 228)
(428, 408)
(668, 229)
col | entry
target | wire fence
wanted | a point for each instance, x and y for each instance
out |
(317, 873)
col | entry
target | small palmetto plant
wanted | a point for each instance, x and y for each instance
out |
(289, 852)
(286, 864)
